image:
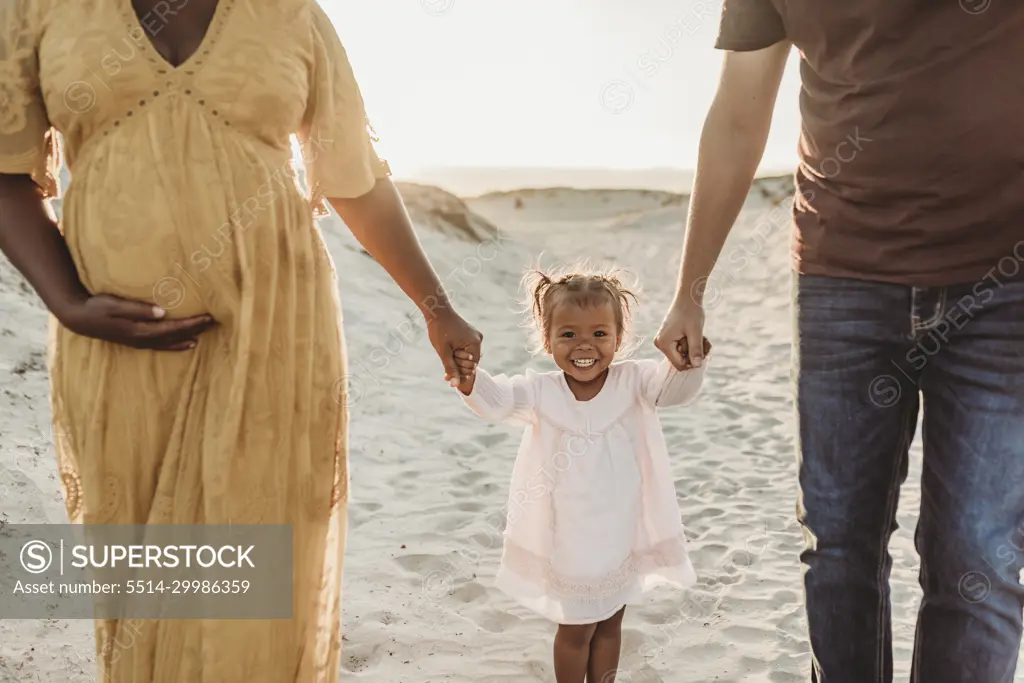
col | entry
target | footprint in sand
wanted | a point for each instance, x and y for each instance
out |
(361, 513)
(709, 514)
(470, 506)
(496, 621)
(446, 524)
(476, 446)
(471, 591)
(422, 564)
(541, 671)
(467, 479)
(752, 635)
(480, 605)
(385, 617)
(489, 539)
(474, 484)
(440, 578)
(407, 481)
(362, 656)
(492, 440)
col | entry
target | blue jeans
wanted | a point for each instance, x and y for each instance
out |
(867, 356)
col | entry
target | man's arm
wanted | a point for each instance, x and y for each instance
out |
(731, 146)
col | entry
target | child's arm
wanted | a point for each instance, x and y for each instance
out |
(500, 398)
(667, 386)
(662, 385)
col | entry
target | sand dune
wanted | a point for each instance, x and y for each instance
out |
(427, 496)
(439, 211)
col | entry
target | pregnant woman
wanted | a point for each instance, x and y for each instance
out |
(198, 353)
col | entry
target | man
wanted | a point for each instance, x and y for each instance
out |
(908, 248)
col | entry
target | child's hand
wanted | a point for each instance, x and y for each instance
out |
(467, 370)
(684, 350)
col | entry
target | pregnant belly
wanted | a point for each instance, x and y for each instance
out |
(187, 254)
(130, 246)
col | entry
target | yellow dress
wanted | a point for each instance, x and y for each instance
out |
(183, 193)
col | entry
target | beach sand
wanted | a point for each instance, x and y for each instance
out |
(429, 479)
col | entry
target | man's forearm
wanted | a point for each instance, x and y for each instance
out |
(726, 163)
(380, 223)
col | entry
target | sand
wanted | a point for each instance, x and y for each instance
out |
(429, 479)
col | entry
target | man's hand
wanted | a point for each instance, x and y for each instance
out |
(681, 333)
(684, 350)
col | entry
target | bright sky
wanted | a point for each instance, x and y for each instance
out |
(561, 83)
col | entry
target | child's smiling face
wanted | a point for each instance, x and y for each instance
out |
(583, 339)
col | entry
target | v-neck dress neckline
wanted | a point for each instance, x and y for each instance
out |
(195, 60)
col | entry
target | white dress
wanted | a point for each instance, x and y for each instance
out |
(592, 517)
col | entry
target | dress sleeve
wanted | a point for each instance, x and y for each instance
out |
(748, 25)
(662, 385)
(500, 398)
(336, 138)
(28, 143)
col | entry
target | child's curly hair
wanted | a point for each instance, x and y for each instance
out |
(582, 284)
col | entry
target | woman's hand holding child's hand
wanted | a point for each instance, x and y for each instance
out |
(467, 370)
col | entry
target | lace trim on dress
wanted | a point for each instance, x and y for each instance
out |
(667, 554)
(321, 207)
(48, 177)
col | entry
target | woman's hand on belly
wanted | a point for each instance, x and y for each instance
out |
(32, 240)
(134, 323)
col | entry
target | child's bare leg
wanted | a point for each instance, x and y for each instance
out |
(604, 649)
(572, 650)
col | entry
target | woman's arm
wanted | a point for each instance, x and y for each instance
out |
(345, 169)
(30, 238)
(380, 223)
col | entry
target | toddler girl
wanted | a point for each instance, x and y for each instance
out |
(592, 518)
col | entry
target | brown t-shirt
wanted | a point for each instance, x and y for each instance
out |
(912, 145)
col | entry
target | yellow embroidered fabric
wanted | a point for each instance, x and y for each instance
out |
(182, 192)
